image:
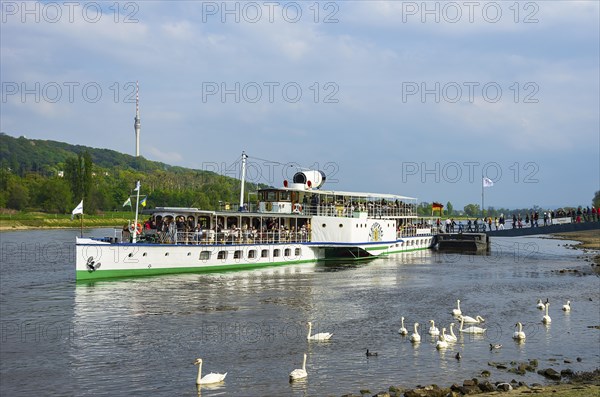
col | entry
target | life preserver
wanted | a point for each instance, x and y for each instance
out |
(138, 228)
(297, 208)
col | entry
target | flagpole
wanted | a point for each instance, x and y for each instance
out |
(482, 207)
(81, 224)
(137, 202)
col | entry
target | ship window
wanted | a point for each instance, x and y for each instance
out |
(189, 254)
(222, 255)
(237, 254)
(341, 225)
(276, 252)
(204, 255)
(324, 225)
(271, 196)
(166, 254)
(252, 254)
(284, 196)
(297, 252)
(264, 253)
(130, 254)
(144, 254)
(287, 252)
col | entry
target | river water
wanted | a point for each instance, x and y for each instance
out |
(140, 336)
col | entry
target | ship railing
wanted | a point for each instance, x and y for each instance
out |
(373, 210)
(211, 237)
(412, 231)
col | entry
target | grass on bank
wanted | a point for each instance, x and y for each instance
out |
(23, 220)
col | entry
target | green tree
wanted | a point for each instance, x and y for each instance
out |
(449, 208)
(54, 196)
(78, 173)
(596, 200)
(472, 209)
(18, 195)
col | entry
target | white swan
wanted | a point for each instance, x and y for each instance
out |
(433, 330)
(457, 312)
(540, 304)
(441, 343)
(546, 319)
(210, 378)
(415, 337)
(299, 373)
(402, 330)
(320, 336)
(519, 335)
(471, 320)
(451, 337)
(567, 307)
(471, 329)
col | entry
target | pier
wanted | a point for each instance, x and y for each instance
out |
(550, 229)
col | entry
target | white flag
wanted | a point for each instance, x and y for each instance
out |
(487, 182)
(137, 187)
(77, 210)
(128, 202)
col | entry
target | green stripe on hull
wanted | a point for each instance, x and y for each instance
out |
(84, 275)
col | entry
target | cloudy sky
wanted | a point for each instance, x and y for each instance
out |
(416, 98)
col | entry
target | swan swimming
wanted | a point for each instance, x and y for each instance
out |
(433, 330)
(299, 373)
(567, 307)
(320, 336)
(546, 319)
(415, 337)
(471, 329)
(451, 337)
(457, 312)
(441, 343)
(519, 335)
(210, 378)
(540, 304)
(402, 330)
(471, 320)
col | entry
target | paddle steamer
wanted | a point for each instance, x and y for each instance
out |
(298, 222)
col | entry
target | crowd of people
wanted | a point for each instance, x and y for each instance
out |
(531, 219)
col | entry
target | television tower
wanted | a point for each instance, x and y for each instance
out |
(137, 124)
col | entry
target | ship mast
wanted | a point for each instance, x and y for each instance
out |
(137, 125)
(244, 156)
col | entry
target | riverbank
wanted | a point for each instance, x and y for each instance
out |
(586, 240)
(13, 220)
(585, 384)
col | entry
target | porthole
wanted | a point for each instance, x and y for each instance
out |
(144, 254)
(189, 254)
(341, 225)
(130, 254)
(166, 254)
(324, 225)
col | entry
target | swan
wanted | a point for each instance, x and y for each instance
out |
(299, 373)
(457, 312)
(451, 337)
(402, 330)
(497, 346)
(210, 378)
(567, 307)
(319, 337)
(415, 337)
(540, 304)
(471, 329)
(441, 343)
(546, 319)
(519, 335)
(471, 320)
(433, 330)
